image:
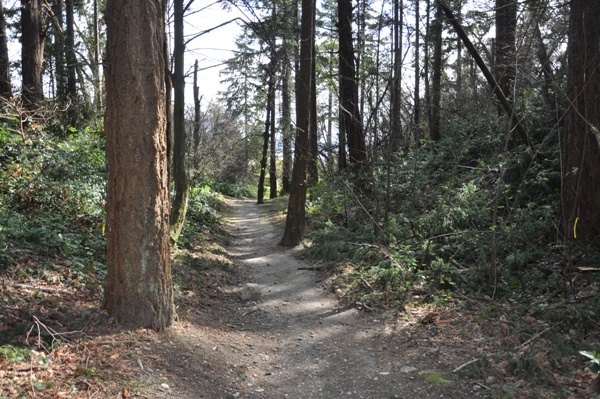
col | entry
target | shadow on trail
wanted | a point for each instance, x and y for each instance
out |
(298, 342)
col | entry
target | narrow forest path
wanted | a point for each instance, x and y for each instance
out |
(297, 341)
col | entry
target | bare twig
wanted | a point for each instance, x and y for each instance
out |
(43, 289)
(39, 342)
(536, 336)
(251, 311)
(464, 365)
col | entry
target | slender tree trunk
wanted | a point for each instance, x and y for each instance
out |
(506, 105)
(342, 154)
(434, 127)
(459, 74)
(273, 155)
(70, 50)
(59, 52)
(5, 82)
(538, 10)
(296, 215)
(286, 127)
(138, 288)
(32, 53)
(96, 64)
(581, 166)
(168, 97)
(396, 128)
(417, 111)
(426, 62)
(196, 133)
(268, 122)
(330, 160)
(180, 178)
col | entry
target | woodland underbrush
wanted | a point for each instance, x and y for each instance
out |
(55, 338)
(466, 227)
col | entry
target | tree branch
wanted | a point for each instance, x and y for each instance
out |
(515, 120)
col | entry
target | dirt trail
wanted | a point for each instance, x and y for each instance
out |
(296, 341)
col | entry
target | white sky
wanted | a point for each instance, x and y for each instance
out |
(210, 49)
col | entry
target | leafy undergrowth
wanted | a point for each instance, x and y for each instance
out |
(477, 248)
(55, 339)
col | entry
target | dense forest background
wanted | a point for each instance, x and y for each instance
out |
(431, 151)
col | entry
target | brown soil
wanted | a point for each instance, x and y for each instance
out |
(296, 341)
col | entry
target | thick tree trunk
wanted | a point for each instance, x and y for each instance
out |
(296, 215)
(352, 122)
(5, 82)
(581, 166)
(180, 178)
(138, 283)
(32, 53)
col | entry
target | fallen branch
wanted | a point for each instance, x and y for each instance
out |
(536, 336)
(523, 345)
(462, 366)
(43, 289)
(384, 251)
(316, 266)
(250, 311)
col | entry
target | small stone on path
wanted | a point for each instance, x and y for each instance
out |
(250, 292)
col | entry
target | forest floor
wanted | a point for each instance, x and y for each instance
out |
(294, 341)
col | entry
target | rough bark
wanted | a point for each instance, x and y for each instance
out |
(296, 215)
(581, 167)
(350, 113)
(180, 178)
(5, 82)
(138, 287)
(32, 53)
